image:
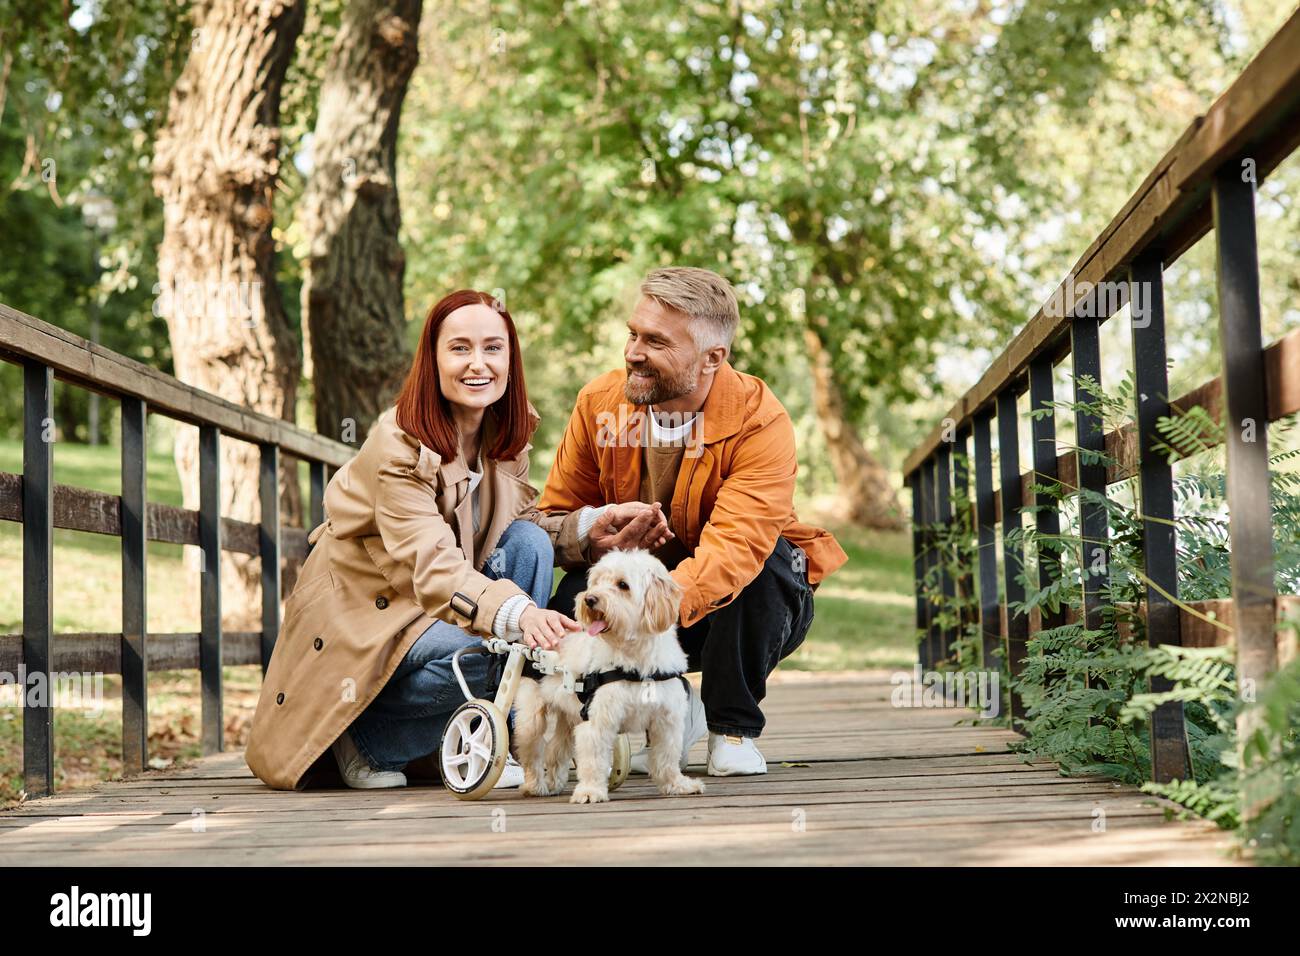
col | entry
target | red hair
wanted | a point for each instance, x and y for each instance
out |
(424, 412)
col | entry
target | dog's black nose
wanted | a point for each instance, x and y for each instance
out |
(590, 600)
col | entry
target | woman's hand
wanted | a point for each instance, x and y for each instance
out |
(543, 628)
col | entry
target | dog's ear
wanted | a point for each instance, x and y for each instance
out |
(663, 602)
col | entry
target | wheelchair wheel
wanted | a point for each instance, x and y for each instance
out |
(622, 763)
(473, 749)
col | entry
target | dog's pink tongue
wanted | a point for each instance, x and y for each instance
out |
(595, 627)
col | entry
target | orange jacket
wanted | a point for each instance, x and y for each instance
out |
(734, 494)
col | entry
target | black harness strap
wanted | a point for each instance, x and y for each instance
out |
(594, 682)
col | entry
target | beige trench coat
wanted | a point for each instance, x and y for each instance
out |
(397, 544)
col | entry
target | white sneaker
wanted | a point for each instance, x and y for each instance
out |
(512, 775)
(734, 756)
(696, 727)
(356, 770)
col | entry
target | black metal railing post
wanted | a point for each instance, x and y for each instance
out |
(38, 563)
(1169, 748)
(943, 552)
(269, 546)
(930, 640)
(1090, 442)
(317, 472)
(1090, 437)
(918, 562)
(965, 521)
(1013, 552)
(135, 617)
(1245, 422)
(986, 522)
(1047, 518)
(210, 589)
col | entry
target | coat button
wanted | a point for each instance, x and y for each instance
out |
(381, 602)
(279, 698)
(318, 643)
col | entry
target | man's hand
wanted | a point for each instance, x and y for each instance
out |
(543, 628)
(632, 524)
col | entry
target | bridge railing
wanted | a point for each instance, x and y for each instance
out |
(32, 498)
(1206, 181)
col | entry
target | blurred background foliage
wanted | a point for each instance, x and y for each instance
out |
(904, 180)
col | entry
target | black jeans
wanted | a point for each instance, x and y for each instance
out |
(739, 645)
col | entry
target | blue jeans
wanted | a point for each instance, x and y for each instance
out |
(406, 719)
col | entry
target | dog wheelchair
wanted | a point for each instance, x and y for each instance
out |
(474, 744)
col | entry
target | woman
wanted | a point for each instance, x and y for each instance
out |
(423, 551)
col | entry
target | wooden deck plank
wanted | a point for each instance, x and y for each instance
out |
(852, 780)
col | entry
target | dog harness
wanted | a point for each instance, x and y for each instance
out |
(594, 682)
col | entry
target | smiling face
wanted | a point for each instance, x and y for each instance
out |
(473, 356)
(663, 360)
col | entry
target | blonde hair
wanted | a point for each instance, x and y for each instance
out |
(704, 296)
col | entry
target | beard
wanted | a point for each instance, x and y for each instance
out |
(659, 388)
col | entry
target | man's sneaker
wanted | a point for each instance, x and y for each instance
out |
(696, 727)
(734, 756)
(356, 770)
(512, 775)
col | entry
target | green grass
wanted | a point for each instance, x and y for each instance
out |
(98, 467)
(864, 613)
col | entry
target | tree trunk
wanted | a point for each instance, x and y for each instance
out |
(863, 482)
(215, 167)
(352, 276)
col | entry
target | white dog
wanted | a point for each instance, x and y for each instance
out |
(629, 654)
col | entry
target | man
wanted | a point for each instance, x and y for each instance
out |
(681, 454)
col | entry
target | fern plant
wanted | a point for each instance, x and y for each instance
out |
(1087, 690)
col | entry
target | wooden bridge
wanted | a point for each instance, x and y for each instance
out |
(853, 778)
